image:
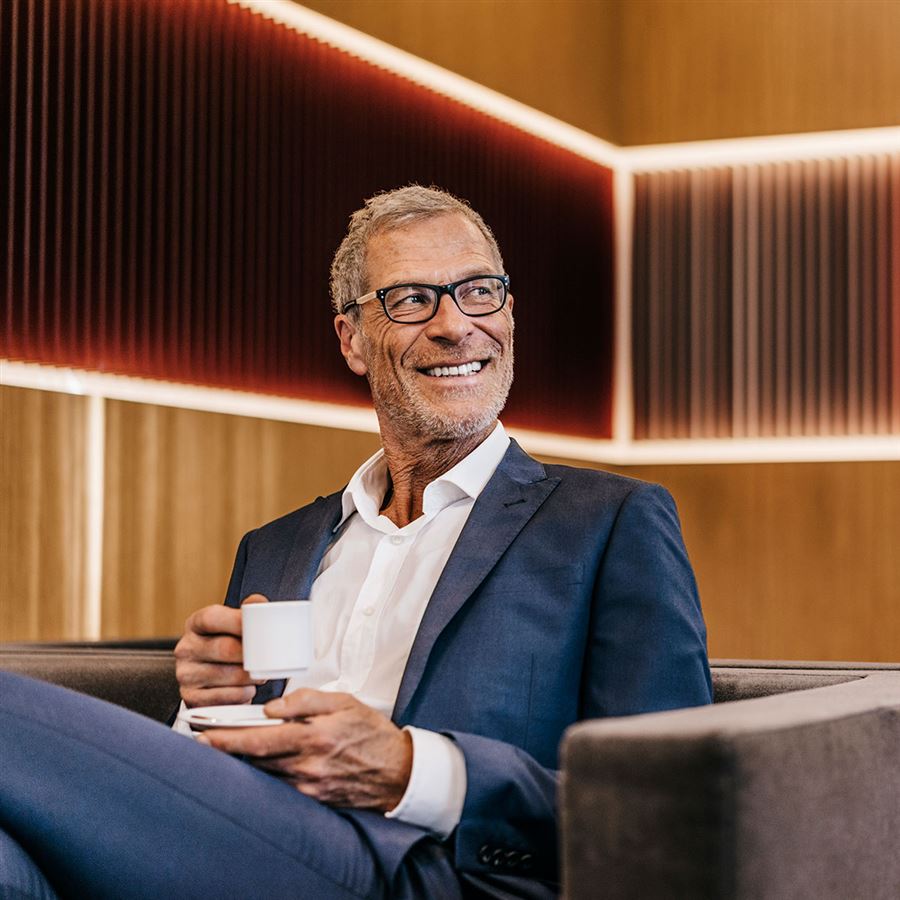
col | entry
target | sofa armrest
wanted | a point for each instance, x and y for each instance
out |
(791, 795)
(140, 680)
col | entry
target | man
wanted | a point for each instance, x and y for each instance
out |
(469, 604)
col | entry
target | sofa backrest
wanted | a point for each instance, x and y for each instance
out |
(746, 679)
(138, 679)
(140, 674)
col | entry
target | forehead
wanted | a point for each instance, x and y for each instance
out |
(436, 250)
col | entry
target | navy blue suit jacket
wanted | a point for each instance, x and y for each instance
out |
(568, 596)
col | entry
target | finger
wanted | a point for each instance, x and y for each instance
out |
(288, 740)
(219, 648)
(211, 620)
(309, 702)
(254, 598)
(211, 675)
(217, 696)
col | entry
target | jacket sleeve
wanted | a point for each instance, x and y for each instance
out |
(646, 651)
(508, 824)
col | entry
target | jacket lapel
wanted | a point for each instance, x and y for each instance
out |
(314, 535)
(512, 496)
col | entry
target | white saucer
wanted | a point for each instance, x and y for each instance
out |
(241, 716)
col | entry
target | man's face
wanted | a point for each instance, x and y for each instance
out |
(401, 360)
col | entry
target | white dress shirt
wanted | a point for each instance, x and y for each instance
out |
(369, 596)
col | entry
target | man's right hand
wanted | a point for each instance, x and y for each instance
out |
(209, 657)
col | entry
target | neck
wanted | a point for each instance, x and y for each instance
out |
(413, 463)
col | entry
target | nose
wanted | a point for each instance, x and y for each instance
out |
(449, 323)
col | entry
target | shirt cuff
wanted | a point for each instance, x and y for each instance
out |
(436, 792)
(179, 725)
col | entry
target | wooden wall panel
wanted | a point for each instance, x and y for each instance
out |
(793, 560)
(182, 487)
(42, 514)
(703, 69)
(652, 71)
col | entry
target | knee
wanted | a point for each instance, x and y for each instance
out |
(20, 878)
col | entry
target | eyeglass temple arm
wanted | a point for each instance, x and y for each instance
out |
(360, 300)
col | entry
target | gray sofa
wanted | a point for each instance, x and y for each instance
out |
(787, 787)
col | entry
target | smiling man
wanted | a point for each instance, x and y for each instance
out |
(469, 604)
(440, 381)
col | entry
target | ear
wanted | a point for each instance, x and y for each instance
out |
(351, 344)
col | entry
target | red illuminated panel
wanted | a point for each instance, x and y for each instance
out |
(178, 173)
(766, 300)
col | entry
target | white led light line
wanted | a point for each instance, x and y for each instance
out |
(350, 418)
(186, 396)
(436, 78)
(757, 150)
(95, 487)
(659, 157)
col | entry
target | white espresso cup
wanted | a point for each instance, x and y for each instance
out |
(278, 638)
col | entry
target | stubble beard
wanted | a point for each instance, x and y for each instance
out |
(409, 411)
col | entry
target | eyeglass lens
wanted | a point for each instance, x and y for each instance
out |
(475, 297)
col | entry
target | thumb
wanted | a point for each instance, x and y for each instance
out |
(254, 598)
(308, 702)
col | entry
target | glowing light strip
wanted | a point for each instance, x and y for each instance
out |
(767, 149)
(95, 463)
(623, 395)
(721, 450)
(327, 415)
(186, 396)
(434, 77)
(660, 157)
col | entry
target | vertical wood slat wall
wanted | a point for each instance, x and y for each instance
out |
(178, 173)
(767, 300)
(43, 465)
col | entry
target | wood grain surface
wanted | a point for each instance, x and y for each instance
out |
(793, 560)
(182, 489)
(654, 71)
(42, 514)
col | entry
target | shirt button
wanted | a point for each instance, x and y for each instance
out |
(397, 539)
(368, 611)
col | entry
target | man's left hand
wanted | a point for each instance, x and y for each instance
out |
(336, 749)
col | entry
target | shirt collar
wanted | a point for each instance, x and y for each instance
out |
(365, 491)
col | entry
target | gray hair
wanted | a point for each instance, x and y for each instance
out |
(383, 212)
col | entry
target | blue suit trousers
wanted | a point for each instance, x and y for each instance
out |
(109, 804)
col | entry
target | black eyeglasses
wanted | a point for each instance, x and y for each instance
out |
(411, 304)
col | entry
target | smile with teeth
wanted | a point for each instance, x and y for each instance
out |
(469, 368)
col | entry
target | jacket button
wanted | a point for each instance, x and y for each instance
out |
(485, 854)
(511, 858)
(526, 862)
